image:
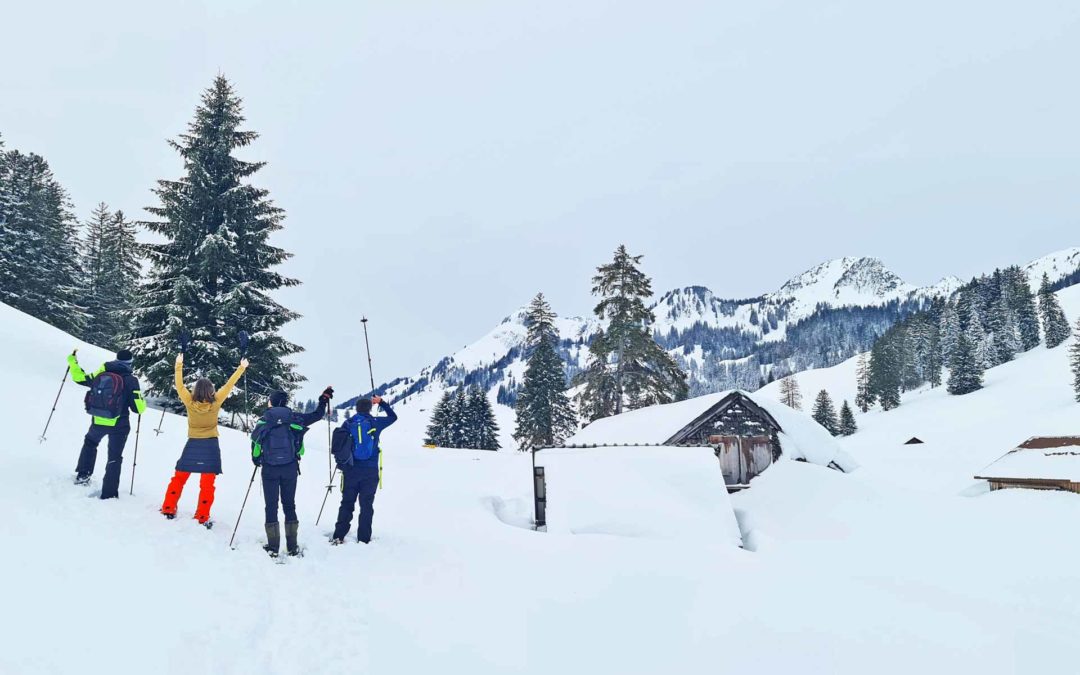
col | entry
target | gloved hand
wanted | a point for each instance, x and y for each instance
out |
(257, 461)
(327, 394)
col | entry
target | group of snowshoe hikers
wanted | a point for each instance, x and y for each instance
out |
(277, 446)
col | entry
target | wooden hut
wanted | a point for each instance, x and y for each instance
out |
(744, 435)
(914, 440)
(1039, 463)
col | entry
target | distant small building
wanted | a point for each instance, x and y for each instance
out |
(748, 433)
(914, 440)
(1039, 463)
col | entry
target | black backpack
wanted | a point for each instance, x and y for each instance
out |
(106, 396)
(279, 441)
(341, 446)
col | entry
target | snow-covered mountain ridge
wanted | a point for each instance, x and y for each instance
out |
(815, 319)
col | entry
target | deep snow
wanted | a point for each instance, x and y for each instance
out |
(906, 564)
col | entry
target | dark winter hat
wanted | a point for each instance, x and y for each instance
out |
(363, 405)
(124, 355)
(278, 398)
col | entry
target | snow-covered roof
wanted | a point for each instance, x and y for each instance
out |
(640, 492)
(801, 437)
(1046, 458)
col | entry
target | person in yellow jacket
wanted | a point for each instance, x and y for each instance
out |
(202, 454)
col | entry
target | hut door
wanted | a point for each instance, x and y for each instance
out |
(732, 462)
(757, 454)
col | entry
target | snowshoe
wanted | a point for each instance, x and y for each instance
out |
(337, 542)
(169, 516)
(208, 524)
(82, 480)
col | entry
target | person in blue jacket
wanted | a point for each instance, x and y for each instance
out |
(360, 479)
(277, 444)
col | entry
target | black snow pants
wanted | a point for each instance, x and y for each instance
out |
(110, 485)
(280, 480)
(359, 484)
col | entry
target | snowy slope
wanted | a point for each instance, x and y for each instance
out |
(905, 565)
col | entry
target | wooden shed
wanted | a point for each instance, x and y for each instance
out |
(1039, 463)
(744, 435)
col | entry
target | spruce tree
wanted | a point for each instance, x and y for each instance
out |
(544, 414)
(457, 413)
(626, 366)
(1022, 302)
(1074, 360)
(40, 272)
(847, 425)
(111, 271)
(885, 371)
(213, 270)
(484, 430)
(824, 413)
(790, 394)
(966, 371)
(97, 329)
(439, 425)
(1055, 325)
(950, 332)
(863, 396)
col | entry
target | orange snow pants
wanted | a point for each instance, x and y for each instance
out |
(206, 494)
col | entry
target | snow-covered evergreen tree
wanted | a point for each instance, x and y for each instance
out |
(790, 393)
(950, 332)
(439, 425)
(847, 425)
(1022, 302)
(966, 371)
(213, 270)
(39, 269)
(1074, 360)
(886, 372)
(544, 414)
(483, 429)
(824, 413)
(1055, 325)
(864, 398)
(111, 275)
(626, 367)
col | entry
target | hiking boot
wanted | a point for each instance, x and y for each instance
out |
(273, 538)
(291, 530)
(169, 516)
(82, 479)
(337, 541)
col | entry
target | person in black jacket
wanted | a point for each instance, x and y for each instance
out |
(115, 424)
(277, 444)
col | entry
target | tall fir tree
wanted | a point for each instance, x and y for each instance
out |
(1055, 325)
(483, 429)
(824, 413)
(213, 270)
(38, 232)
(790, 393)
(965, 370)
(1022, 302)
(439, 425)
(544, 414)
(626, 367)
(864, 398)
(457, 412)
(886, 371)
(97, 331)
(1074, 360)
(950, 332)
(847, 425)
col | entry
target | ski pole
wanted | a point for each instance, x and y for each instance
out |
(135, 458)
(41, 439)
(246, 494)
(329, 488)
(371, 375)
(329, 445)
(185, 338)
(243, 337)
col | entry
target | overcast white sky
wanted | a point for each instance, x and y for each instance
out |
(441, 162)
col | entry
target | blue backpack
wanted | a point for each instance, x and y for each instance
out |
(363, 435)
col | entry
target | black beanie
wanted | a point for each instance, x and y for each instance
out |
(124, 355)
(278, 398)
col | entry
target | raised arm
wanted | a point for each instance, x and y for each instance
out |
(391, 416)
(78, 375)
(224, 392)
(181, 390)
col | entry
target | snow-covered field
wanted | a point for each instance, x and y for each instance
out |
(904, 565)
